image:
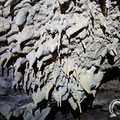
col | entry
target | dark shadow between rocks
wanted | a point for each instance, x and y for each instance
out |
(111, 74)
(67, 113)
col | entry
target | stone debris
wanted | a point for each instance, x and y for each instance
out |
(58, 49)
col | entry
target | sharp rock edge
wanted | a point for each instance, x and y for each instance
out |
(58, 49)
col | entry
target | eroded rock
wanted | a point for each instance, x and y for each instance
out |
(4, 25)
(58, 49)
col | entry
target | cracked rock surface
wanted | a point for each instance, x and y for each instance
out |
(58, 50)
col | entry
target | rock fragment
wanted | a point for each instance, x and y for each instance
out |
(21, 16)
(4, 26)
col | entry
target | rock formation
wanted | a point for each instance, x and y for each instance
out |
(59, 50)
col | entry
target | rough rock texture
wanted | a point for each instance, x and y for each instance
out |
(16, 102)
(58, 50)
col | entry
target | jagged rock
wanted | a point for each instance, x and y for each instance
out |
(26, 34)
(59, 50)
(0, 12)
(5, 86)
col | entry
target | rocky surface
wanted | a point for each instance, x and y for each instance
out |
(13, 104)
(58, 50)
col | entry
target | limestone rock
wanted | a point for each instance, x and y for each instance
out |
(59, 51)
(21, 16)
(4, 26)
(5, 110)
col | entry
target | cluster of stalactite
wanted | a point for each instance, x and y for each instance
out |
(59, 49)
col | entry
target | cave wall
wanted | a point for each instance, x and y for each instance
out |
(56, 51)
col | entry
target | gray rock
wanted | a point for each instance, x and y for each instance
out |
(10, 2)
(6, 11)
(1, 12)
(5, 110)
(4, 26)
(107, 93)
(21, 16)
(43, 114)
(26, 34)
(28, 116)
(58, 50)
(3, 1)
(18, 112)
